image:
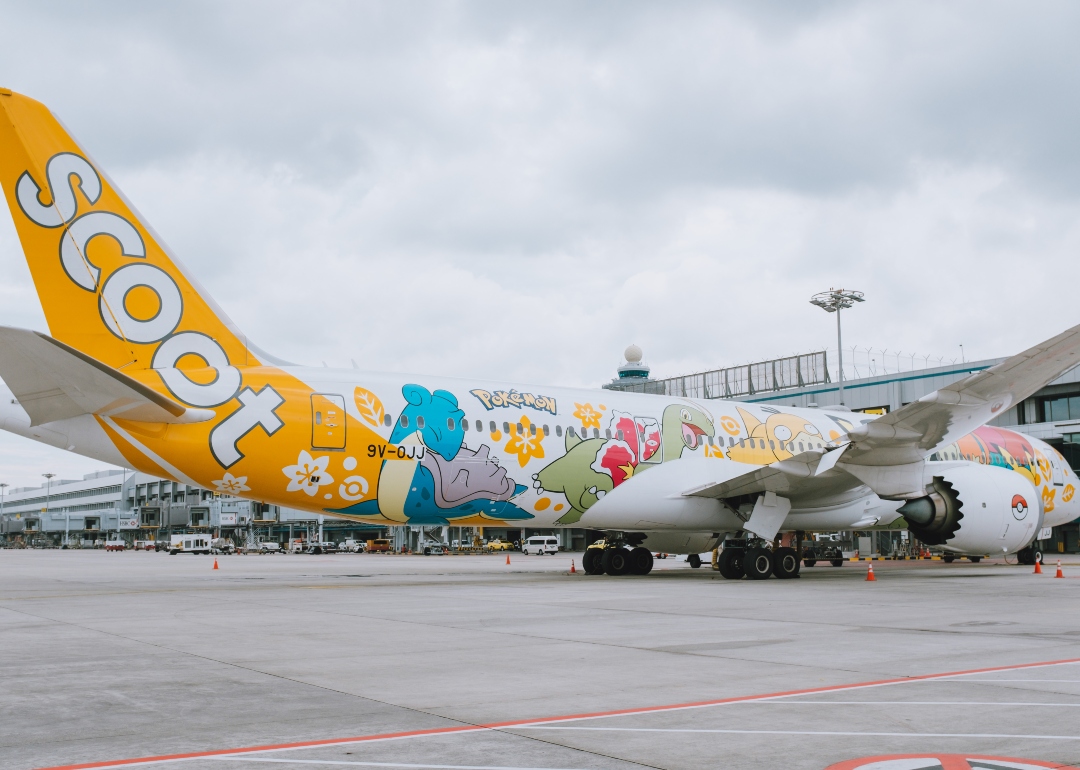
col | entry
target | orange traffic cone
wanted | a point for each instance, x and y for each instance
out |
(1038, 567)
(215, 564)
(870, 573)
(507, 558)
(572, 570)
(1059, 574)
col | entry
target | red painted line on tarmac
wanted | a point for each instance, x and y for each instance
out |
(548, 720)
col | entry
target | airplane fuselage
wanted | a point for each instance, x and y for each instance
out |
(403, 449)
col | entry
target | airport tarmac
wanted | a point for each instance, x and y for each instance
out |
(451, 662)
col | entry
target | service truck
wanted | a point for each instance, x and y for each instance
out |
(189, 544)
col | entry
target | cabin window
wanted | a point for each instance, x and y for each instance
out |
(558, 431)
(547, 431)
(387, 420)
(420, 421)
(506, 428)
(479, 426)
(532, 430)
(596, 433)
(404, 421)
(520, 429)
(570, 431)
(607, 432)
(772, 445)
(492, 426)
(450, 423)
(318, 418)
(618, 435)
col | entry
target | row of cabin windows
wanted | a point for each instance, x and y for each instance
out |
(519, 428)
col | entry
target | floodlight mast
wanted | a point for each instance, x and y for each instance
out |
(833, 301)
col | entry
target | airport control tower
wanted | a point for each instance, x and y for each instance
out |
(633, 370)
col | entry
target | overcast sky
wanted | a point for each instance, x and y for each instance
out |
(520, 190)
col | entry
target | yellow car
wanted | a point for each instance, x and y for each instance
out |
(499, 545)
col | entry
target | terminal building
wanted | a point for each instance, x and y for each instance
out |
(131, 506)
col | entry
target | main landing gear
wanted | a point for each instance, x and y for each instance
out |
(615, 558)
(754, 560)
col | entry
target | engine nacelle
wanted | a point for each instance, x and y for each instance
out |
(974, 509)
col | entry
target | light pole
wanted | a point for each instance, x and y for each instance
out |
(48, 490)
(833, 301)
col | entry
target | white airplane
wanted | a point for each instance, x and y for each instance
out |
(142, 369)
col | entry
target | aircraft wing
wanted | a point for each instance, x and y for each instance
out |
(938, 419)
(805, 477)
(52, 381)
(887, 453)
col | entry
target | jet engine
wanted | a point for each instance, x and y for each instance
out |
(974, 509)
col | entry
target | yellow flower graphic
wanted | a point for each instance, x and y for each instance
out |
(590, 418)
(524, 444)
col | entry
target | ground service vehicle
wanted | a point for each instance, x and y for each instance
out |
(115, 545)
(269, 547)
(540, 545)
(378, 546)
(142, 369)
(823, 549)
(189, 544)
(499, 545)
(352, 546)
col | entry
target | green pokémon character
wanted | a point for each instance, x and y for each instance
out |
(592, 467)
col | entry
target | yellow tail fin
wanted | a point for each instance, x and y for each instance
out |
(108, 286)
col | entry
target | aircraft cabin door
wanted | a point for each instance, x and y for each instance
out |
(327, 421)
(1056, 465)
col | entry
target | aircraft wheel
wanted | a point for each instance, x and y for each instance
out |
(758, 563)
(616, 561)
(730, 563)
(949, 558)
(786, 563)
(837, 562)
(693, 560)
(641, 561)
(809, 562)
(1036, 555)
(591, 562)
(974, 559)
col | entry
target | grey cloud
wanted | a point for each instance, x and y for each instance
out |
(543, 173)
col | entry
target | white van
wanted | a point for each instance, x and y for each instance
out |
(540, 544)
(189, 544)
